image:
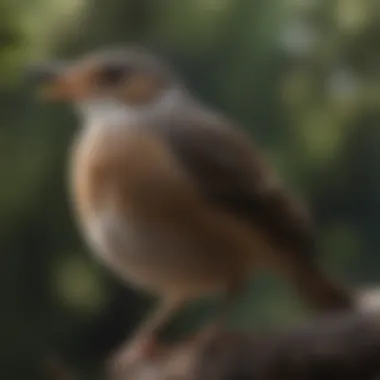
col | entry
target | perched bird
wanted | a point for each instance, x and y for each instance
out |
(171, 195)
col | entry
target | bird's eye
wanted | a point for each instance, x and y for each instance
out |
(113, 74)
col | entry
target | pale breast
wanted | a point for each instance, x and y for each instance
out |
(151, 257)
(116, 203)
(116, 243)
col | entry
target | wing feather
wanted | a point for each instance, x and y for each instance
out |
(233, 174)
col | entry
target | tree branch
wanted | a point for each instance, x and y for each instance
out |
(345, 345)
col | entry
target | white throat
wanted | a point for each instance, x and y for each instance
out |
(109, 111)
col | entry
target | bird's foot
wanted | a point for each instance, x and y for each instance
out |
(207, 333)
(137, 353)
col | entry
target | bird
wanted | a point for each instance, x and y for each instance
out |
(172, 195)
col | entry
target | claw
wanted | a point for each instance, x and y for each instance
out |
(131, 355)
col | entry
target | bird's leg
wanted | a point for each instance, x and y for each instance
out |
(144, 342)
(232, 293)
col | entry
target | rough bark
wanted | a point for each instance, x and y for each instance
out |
(343, 346)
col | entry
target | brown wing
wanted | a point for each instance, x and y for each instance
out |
(233, 174)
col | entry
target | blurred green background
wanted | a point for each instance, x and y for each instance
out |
(301, 75)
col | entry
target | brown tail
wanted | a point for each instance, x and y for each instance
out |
(318, 289)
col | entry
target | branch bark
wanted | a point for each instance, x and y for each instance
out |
(345, 345)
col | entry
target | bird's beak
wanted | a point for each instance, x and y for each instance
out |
(50, 80)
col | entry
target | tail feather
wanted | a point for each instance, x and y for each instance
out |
(318, 289)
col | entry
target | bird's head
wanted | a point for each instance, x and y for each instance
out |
(129, 76)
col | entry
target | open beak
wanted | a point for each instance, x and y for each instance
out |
(50, 80)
